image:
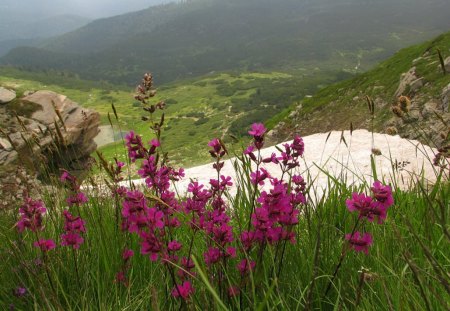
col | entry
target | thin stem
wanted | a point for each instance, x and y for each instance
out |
(341, 259)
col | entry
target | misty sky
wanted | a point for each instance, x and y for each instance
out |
(87, 8)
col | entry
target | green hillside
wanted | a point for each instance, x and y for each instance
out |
(195, 38)
(216, 105)
(336, 106)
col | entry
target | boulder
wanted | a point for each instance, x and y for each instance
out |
(447, 64)
(429, 109)
(6, 95)
(409, 81)
(55, 131)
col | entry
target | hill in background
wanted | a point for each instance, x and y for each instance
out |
(191, 39)
(415, 72)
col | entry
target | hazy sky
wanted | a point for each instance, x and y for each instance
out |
(87, 8)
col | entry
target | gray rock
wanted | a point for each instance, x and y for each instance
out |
(6, 95)
(445, 97)
(408, 79)
(429, 109)
(37, 134)
(5, 144)
(447, 64)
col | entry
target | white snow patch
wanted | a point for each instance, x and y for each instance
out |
(345, 156)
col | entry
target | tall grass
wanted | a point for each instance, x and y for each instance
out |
(406, 268)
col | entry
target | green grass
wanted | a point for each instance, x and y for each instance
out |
(407, 267)
(338, 105)
(216, 105)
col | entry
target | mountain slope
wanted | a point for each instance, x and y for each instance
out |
(414, 72)
(195, 38)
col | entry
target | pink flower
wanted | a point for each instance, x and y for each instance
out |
(174, 246)
(72, 239)
(367, 207)
(359, 242)
(359, 202)
(31, 213)
(183, 291)
(72, 223)
(383, 194)
(212, 256)
(244, 266)
(77, 199)
(257, 130)
(127, 254)
(45, 245)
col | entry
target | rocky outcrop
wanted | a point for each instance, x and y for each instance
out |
(447, 64)
(45, 131)
(6, 95)
(409, 82)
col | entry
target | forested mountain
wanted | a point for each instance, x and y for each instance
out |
(196, 37)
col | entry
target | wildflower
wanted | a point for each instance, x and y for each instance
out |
(298, 146)
(359, 242)
(77, 199)
(45, 245)
(359, 202)
(31, 213)
(245, 265)
(121, 278)
(20, 291)
(259, 176)
(73, 224)
(183, 291)
(212, 256)
(383, 194)
(135, 147)
(127, 254)
(257, 130)
(174, 246)
(72, 239)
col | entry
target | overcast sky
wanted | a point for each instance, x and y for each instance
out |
(87, 8)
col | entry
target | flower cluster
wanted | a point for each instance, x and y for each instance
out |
(31, 213)
(73, 228)
(76, 197)
(369, 208)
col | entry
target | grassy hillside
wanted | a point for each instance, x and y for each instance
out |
(192, 39)
(216, 105)
(336, 106)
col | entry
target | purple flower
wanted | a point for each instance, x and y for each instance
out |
(383, 194)
(298, 146)
(183, 291)
(212, 256)
(367, 207)
(72, 239)
(135, 147)
(127, 254)
(360, 243)
(45, 245)
(20, 291)
(259, 176)
(73, 224)
(245, 265)
(77, 199)
(174, 246)
(257, 130)
(31, 213)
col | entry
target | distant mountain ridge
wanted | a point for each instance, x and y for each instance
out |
(414, 72)
(190, 39)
